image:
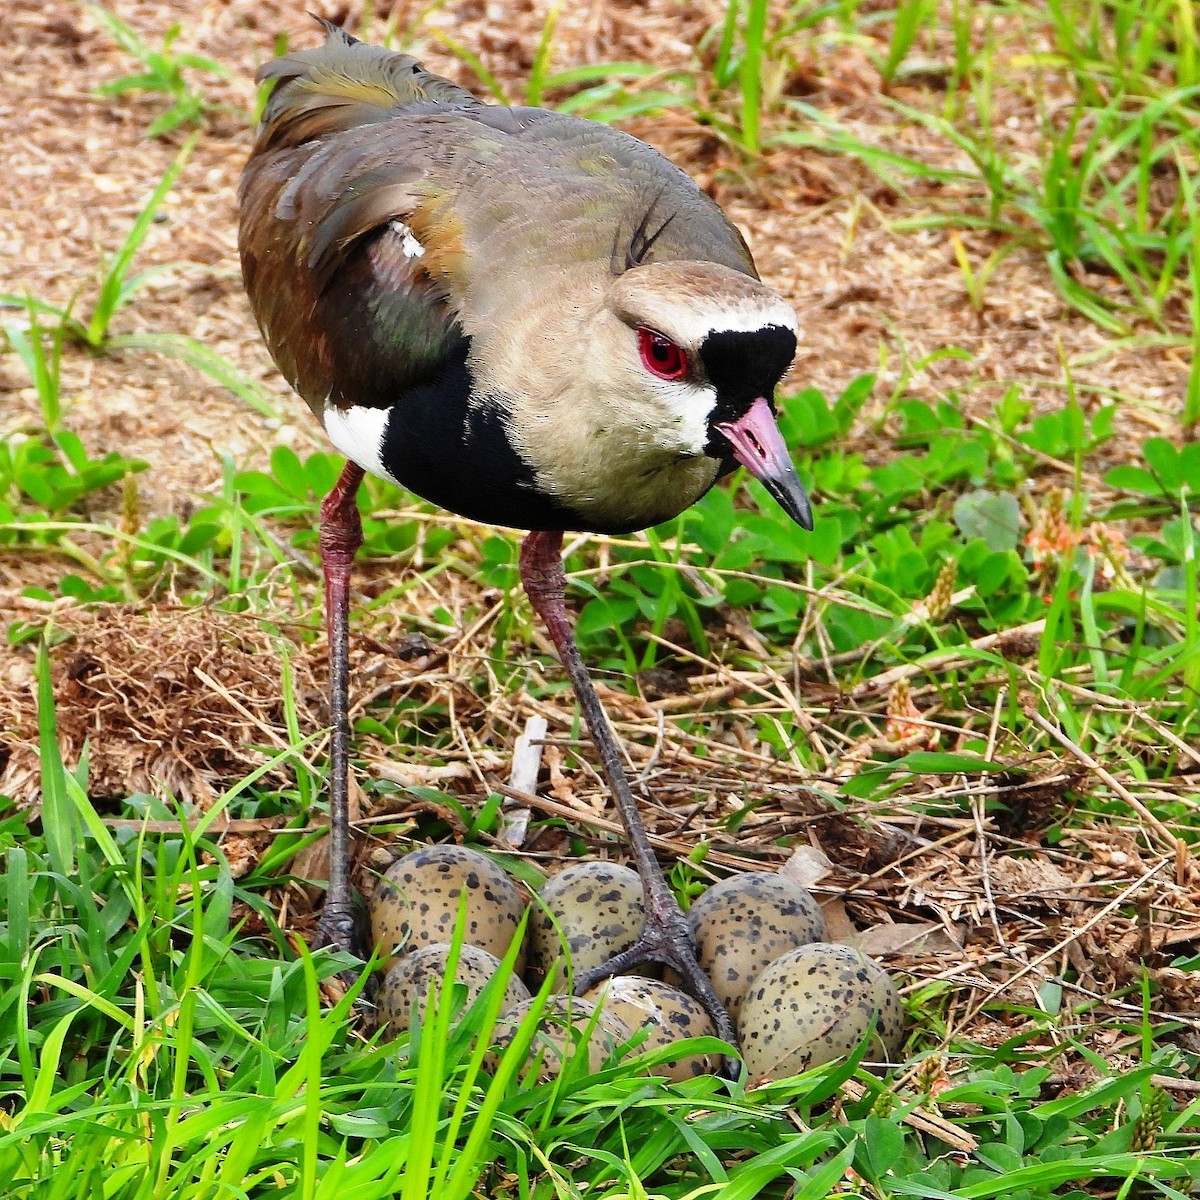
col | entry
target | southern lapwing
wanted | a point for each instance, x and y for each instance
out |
(527, 318)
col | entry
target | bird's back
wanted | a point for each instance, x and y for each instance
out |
(356, 138)
(342, 85)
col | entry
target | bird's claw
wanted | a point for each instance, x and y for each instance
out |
(337, 930)
(669, 943)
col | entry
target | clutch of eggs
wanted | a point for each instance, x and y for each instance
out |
(797, 1000)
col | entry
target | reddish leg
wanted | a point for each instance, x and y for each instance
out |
(341, 536)
(666, 937)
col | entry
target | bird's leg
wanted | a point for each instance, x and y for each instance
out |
(665, 937)
(341, 536)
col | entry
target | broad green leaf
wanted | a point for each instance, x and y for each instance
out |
(994, 517)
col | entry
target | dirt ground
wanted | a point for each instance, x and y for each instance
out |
(873, 292)
(823, 231)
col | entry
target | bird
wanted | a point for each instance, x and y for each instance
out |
(527, 318)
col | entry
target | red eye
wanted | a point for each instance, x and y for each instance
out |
(660, 355)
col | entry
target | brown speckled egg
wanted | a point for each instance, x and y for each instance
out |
(815, 1004)
(416, 902)
(599, 908)
(565, 1022)
(420, 973)
(747, 921)
(667, 1014)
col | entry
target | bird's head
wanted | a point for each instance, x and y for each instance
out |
(702, 348)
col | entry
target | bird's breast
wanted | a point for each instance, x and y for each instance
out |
(460, 450)
(451, 447)
(615, 492)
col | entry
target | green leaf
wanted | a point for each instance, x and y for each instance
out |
(59, 817)
(202, 358)
(884, 1141)
(113, 291)
(994, 517)
(749, 1179)
(1163, 460)
(286, 466)
(823, 1181)
(1189, 466)
(1000, 1156)
(1133, 479)
(943, 762)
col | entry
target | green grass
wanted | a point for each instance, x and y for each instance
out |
(164, 72)
(1111, 104)
(1025, 576)
(158, 1050)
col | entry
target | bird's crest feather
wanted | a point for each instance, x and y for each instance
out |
(641, 240)
(343, 84)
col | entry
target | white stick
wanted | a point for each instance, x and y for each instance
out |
(526, 766)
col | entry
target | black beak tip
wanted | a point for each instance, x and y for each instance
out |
(793, 499)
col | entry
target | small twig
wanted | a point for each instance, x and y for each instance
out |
(985, 871)
(297, 558)
(527, 755)
(1168, 840)
(268, 731)
(421, 775)
(1167, 735)
(655, 753)
(926, 1122)
(695, 701)
(911, 619)
(673, 846)
(955, 835)
(221, 825)
(1171, 1084)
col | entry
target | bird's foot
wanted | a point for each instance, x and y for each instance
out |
(666, 938)
(338, 930)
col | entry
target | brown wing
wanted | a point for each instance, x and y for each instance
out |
(332, 220)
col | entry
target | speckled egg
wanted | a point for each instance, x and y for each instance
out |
(416, 902)
(815, 1004)
(565, 1022)
(598, 906)
(667, 1014)
(415, 976)
(747, 921)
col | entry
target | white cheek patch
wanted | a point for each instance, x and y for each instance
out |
(358, 434)
(689, 409)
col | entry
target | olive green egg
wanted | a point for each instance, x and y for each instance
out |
(598, 906)
(816, 1004)
(416, 902)
(666, 1014)
(747, 921)
(415, 976)
(564, 1025)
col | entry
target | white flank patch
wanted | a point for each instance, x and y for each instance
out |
(409, 246)
(358, 434)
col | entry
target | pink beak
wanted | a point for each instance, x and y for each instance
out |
(759, 447)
